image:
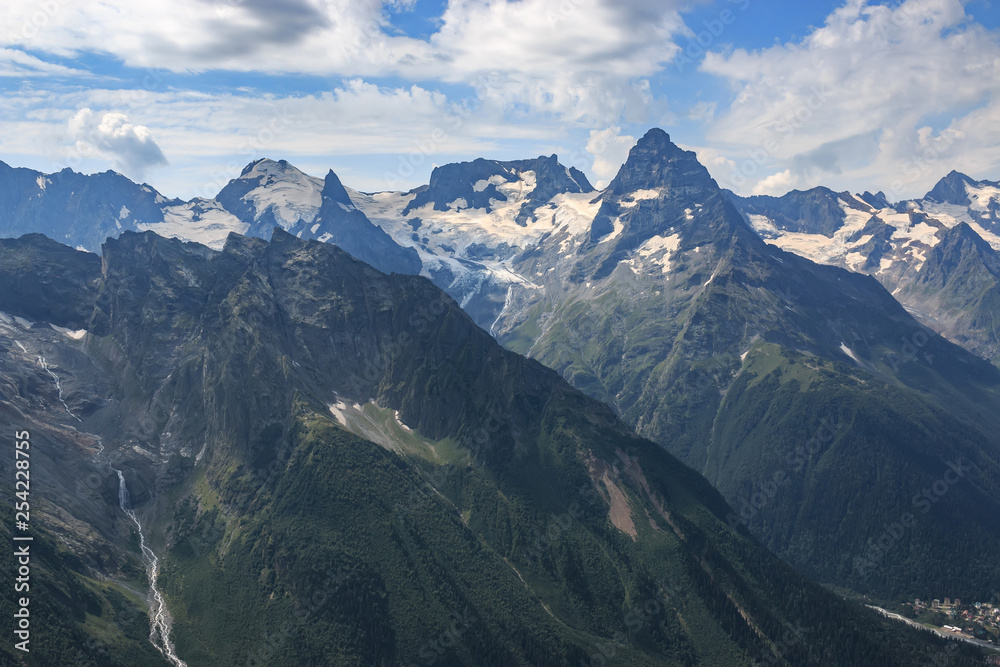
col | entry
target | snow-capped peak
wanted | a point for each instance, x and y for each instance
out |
(292, 196)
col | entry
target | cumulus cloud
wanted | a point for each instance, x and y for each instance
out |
(861, 97)
(584, 60)
(775, 184)
(610, 150)
(131, 148)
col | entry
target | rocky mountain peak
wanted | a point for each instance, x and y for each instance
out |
(951, 189)
(962, 241)
(656, 162)
(877, 200)
(334, 190)
(661, 196)
(522, 185)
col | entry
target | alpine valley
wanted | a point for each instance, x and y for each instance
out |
(501, 419)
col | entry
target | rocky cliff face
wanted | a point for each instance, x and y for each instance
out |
(956, 290)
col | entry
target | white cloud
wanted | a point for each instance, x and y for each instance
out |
(714, 160)
(775, 184)
(848, 105)
(211, 137)
(877, 97)
(584, 60)
(702, 111)
(131, 148)
(17, 63)
(610, 150)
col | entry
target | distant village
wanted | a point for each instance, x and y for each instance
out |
(979, 620)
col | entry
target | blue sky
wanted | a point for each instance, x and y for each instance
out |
(772, 95)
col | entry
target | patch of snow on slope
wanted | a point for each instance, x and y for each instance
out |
(400, 422)
(337, 410)
(617, 228)
(854, 261)
(980, 196)
(484, 183)
(658, 250)
(639, 195)
(200, 220)
(575, 210)
(515, 191)
(75, 335)
(762, 224)
(42, 182)
(122, 214)
(846, 350)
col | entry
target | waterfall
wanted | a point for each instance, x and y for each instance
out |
(159, 617)
(45, 365)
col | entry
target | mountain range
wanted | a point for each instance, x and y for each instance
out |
(255, 390)
(904, 245)
(337, 466)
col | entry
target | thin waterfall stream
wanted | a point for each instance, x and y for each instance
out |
(159, 617)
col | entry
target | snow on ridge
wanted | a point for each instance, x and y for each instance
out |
(451, 232)
(210, 226)
(911, 239)
(42, 182)
(837, 249)
(290, 194)
(981, 195)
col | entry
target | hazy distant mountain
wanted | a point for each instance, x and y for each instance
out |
(83, 211)
(895, 244)
(72, 208)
